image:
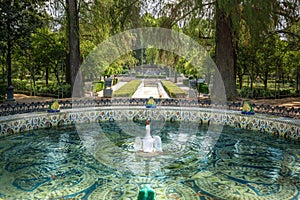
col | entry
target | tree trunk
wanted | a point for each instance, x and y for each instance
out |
(74, 51)
(225, 53)
(56, 72)
(240, 81)
(68, 70)
(3, 73)
(10, 88)
(265, 80)
(3, 67)
(297, 79)
(8, 65)
(47, 75)
(240, 77)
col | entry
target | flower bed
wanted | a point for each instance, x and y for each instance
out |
(173, 90)
(128, 89)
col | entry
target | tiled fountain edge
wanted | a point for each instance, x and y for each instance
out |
(279, 126)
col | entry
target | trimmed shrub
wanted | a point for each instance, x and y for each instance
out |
(173, 90)
(151, 76)
(98, 86)
(128, 89)
(203, 88)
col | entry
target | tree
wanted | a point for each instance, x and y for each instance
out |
(259, 18)
(48, 52)
(18, 19)
(151, 55)
(225, 50)
(73, 64)
(2, 60)
(267, 59)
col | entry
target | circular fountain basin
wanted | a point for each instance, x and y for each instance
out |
(54, 163)
(51, 160)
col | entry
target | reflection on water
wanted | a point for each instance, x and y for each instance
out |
(101, 162)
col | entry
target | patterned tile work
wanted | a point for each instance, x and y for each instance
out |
(57, 163)
(279, 126)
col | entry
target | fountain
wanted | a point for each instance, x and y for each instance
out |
(148, 144)
(74, 158)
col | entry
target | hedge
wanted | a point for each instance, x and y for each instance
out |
(203, 88)
(151, 76)
(128, 89)
(258, 93)
(41, 89)
(173, 90)
(98, 86)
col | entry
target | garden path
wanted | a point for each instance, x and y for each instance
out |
(146, 91)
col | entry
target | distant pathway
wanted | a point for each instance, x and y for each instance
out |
(150, 91)
(146, 92)
(114, 88)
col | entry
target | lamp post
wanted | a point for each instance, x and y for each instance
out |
(208, 47)
(208, 74)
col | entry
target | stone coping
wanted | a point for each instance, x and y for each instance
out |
(279, 126)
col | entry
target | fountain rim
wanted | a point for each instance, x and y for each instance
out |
(287, 128)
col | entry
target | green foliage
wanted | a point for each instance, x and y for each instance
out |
(202, 88)
(258, 93)
(20, 84)
(151, 55)
(151, 76)
(62, 90)
(173, 90)
(261, 55)
(86, 46)
(149, 20)
(19, 19)
(98, 86)
(40, 89)
(112, 70)
(258, 16)
(128, 89)
(3, 87)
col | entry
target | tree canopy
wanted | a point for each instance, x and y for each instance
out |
(252, 41)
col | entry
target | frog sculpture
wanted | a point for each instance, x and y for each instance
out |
(53, 107)
(247, 109)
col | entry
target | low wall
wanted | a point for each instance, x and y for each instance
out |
(19, 108)
(285, 127)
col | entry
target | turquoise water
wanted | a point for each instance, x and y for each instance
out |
(97, 161)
